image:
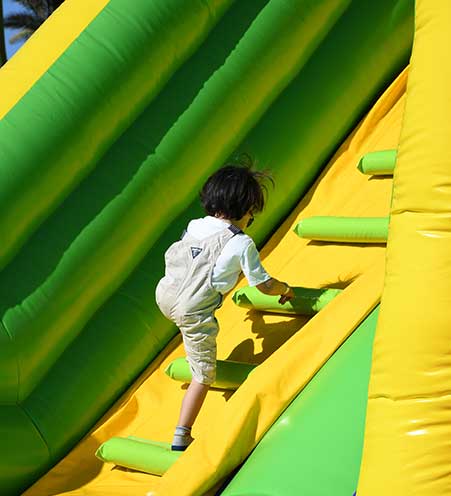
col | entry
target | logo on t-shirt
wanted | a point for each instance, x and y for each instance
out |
(195, 251)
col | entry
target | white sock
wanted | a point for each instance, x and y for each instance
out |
(182, 438)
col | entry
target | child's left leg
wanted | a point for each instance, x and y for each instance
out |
(192, 403)
(199, 338)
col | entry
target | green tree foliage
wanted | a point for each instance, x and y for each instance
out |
(31, 15)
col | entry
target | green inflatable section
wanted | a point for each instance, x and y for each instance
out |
(380, 163)
(229, 374)
(306, 301)
(315, 447)
(344, 229)
(138, 454)
(111, 172)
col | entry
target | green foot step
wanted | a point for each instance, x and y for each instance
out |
(152, 457)
(344, 229)
(380, 163)
(307, 301)
(229, 374)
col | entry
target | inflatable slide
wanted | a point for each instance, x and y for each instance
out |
(113, 114)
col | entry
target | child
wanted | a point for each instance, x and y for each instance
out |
(203, 266)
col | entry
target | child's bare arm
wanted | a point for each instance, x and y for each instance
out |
(274, 287)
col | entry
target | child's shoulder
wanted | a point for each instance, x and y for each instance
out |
(241, 242)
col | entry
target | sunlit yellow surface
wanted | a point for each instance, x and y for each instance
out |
(408, 432)
(20, 73)
(291, 349)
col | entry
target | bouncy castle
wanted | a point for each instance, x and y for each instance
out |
(112, 116)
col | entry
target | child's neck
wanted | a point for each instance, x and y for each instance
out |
(241, 223)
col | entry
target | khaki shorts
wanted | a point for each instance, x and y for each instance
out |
(199, 333)
(199, 330)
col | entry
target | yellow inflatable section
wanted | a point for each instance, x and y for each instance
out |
(408, 429)
(292, 349)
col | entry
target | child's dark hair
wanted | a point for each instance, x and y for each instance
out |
(234, 190)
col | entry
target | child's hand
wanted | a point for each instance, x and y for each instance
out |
(287, 296)
(274, 287)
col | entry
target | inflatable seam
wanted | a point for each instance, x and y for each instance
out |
(38, 430)
(410, 397)
(5, 328)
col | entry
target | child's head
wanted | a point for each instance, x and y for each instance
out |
(233, 191)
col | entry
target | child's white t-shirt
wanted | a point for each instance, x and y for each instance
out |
(238, 255)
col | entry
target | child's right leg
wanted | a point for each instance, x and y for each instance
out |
(191, 405)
